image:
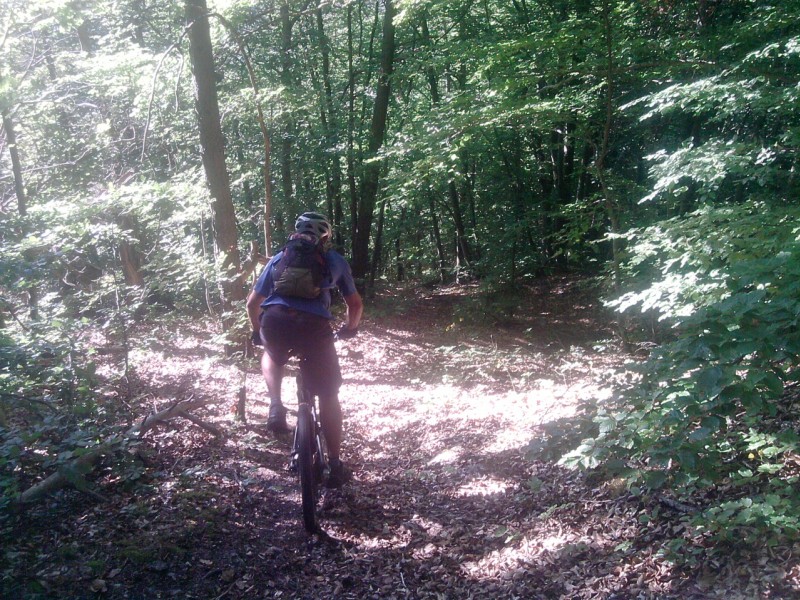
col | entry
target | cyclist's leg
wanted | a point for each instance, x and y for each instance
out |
(323, 376)
(277, 331)
(273, 375)
(330, 418)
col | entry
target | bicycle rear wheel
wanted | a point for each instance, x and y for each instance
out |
(306, 450)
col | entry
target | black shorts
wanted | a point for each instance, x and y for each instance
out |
(288, 331)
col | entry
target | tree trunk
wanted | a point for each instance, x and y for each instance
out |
(287, 134)
(267, 166)
(398, 248)
(16, 165)
(129, 255)
(430, 72)
(377, 251)
(612, 208)
(351, 117)
(85, 38)
(372, 169)
(437, 238)
(213, 153)
(330, 130)
(463, 253)
(22, 206)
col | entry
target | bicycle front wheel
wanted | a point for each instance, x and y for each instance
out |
(306, 449)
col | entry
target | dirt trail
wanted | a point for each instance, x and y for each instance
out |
(442, 394)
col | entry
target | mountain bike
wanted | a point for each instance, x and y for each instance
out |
(309, 454)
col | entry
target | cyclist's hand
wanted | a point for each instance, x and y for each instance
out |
(345, 333)
(255, 337)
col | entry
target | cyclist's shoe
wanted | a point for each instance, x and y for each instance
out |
(339, 474)
(276, 422)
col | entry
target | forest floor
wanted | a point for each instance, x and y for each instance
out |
(444, 391)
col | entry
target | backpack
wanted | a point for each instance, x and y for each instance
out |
(302, 269)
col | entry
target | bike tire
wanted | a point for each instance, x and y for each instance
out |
(306, 450)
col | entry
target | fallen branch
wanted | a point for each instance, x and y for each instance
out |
(72, 473)
(64, 476)
(681, 507)
(178, 409)
(213, 429)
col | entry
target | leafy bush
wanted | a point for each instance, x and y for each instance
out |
(710, 407)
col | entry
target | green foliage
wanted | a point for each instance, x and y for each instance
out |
(64, 292)
(746, 519)
(710, 406)
(681, 264)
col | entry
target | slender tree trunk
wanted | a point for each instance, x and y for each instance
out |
(513, 163)
(85, 38)
(430, 72)
(287, 133)
(213, 153)
(22, 205)
(330, 130)
(463, 252)
(351, 117)
(16, 164)
(437, 238)
(398, 247)
(372, 169)
(129, 255)
(462, 243)
(267, 165)
(250, 199)
(377, 251)
(612, 208)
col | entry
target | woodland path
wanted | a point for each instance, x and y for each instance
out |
(443, 393)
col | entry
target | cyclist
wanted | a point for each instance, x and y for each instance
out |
(284, 324)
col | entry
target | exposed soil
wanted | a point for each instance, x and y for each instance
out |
(443, 392)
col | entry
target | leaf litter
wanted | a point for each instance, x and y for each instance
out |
(439, 413)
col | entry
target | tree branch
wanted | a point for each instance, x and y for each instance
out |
(71, 474)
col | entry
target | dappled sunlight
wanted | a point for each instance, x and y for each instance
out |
(438, 421)
(514, 416)
(447, 456)
(542, 550)
(485, 486)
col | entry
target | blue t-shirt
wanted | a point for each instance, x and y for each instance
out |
(339, 275)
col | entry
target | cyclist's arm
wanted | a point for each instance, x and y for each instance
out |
(261, 290)
(254, 301)
(355, 307)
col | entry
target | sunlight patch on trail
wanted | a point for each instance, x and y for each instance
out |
(540, 551)
(431, 412)
(486, 486)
